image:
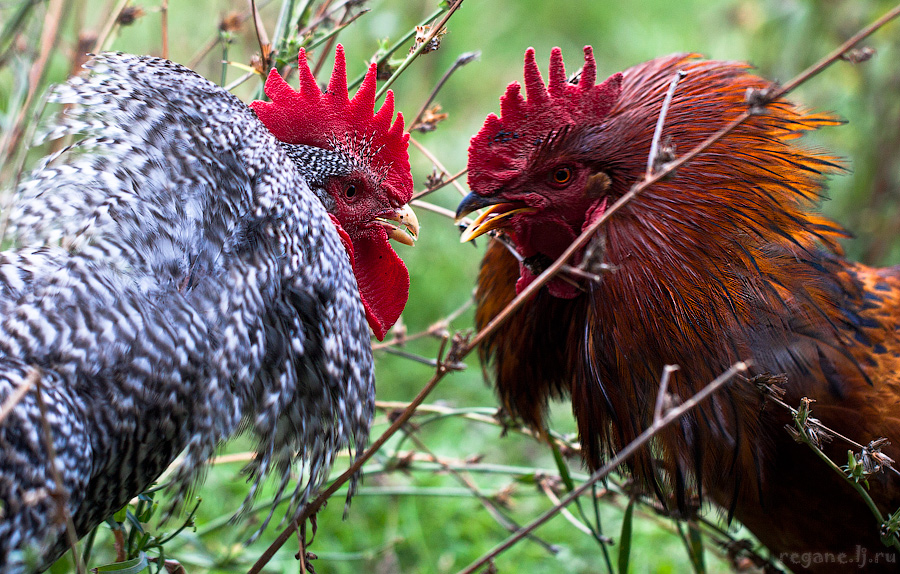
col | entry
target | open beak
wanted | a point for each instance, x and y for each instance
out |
(494, 217)
(408, 229)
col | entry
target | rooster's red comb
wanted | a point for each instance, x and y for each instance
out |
(503, 146)
(331, 119)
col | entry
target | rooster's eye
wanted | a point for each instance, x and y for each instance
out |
(350, 191)
(562, 176)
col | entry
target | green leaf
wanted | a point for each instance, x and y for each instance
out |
(120, 515)
(563, 468)
(132, 566)
(625, 538)
(696, 545)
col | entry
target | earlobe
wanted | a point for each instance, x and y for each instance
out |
(597, 185)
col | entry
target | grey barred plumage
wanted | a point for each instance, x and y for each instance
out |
(173, 280)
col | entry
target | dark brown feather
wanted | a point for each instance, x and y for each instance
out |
(728, 260)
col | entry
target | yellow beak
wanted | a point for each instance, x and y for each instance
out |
(493, 217)
(408, 231)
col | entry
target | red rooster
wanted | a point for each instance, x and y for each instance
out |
(724, 261)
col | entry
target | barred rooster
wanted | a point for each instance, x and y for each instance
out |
(180, 274)
(726, 260)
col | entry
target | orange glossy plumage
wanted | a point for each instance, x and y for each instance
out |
(727, 260)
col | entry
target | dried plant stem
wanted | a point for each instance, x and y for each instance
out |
(212, 42)
(239, 81)
(838, 52)
(12, 400)
(420, 359)
(322, 14)
(285, 15)
(437, 329)
(820, 426)
(329, 43)
(437, 163)
(13, 26)
(663, 390)
(433, 208)
(56, 13)
(505, 521)
(109, 26)
(653, 157)
(164, 16)
(461, 61)
(419, 48)
(61, 495)
(262, 37)
(615, 462)
(332, 34)
(442, 184)
(894, 542)
(313, 506)
(396, 46)
(547, 489)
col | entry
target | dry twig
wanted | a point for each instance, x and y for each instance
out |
(615, 462)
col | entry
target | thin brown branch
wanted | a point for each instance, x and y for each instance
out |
(436, 329)
(240, 18)
(313, 506)
(818, 425)
(547, 489)
(262, 38)
(204, 51)
(8, 197)
(53, 19)
(109, 26)
(505, 521)
(420, 48)
(12, 400)
(437, 163)
(622, 456)
(653, 158)
(61, 494)
(461, 61)
(332, 38)
(837, 53)
(442, 184)
(322, 14)
(164, 16)
(663, 390)
(244, 77)
(433, 208)
(474, 416)
(422, 360)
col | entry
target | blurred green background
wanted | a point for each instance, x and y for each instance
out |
(412, 520)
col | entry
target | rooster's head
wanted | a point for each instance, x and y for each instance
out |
(357, 161)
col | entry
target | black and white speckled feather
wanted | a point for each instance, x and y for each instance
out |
(173, 280)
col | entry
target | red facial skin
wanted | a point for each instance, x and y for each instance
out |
(382, 277)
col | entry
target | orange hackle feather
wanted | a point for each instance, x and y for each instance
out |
(727, 260)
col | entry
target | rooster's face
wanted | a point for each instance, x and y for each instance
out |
(539, 165)
(563, 189)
